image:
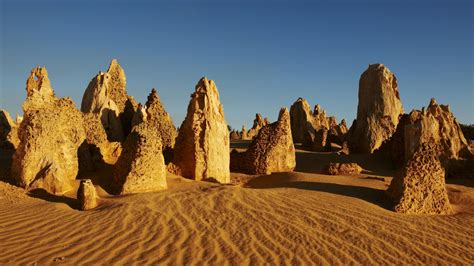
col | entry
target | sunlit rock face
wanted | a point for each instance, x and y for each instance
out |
(420, 186)
(202, 147)
(272, 150)
(49, 137)
(141, 166)
(378, 110)
(106, 95)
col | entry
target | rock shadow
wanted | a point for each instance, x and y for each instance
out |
(283, 180)
(314, 162)
(44, 195)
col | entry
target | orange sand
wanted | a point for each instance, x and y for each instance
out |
(301, 217)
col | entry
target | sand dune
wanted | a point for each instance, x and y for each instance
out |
(298, 218)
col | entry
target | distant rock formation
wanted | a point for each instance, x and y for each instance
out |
(314, 130)
(258, 123)
(107, 96)
(50, 135)
(301, 119)
(342, 169)
(235, 135)
(141, 166)
(320, 120)
(272, 150)
(435, 123)
(420, 187)
(244, 135)
(378, 110)
(155, 114)
(203, 146)
(87, 195)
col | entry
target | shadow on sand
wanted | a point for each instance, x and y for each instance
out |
(314, 162)
(44, 195)
(283, 180)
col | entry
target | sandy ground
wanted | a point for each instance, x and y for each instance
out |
(286, 218)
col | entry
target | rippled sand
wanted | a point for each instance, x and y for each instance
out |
(301, 217)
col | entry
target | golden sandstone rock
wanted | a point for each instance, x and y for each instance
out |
(315, 130)
(342, 169)
(272, 150)
(50, 135)
(160, 120)
(420, 187)
(203, 146)
(378, 110)
(107, 96)
(87, 195)
(141, 166)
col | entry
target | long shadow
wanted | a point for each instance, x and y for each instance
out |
(44, 195)
(374, 196)
(314, 162)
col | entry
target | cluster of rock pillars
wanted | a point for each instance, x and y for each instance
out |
(54, 142)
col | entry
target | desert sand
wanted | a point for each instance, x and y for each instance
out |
(301, 217)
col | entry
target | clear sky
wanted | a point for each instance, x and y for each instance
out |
(261, 55)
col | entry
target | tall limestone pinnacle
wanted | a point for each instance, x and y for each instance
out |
(106, 95)
(161, 120)
(378, 110)
(202, 149)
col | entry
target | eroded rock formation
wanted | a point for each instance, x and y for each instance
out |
(258, 123)
(87, 195)
(106, 95)
(272, 150)
(203, 146)
(50, 135)
(141, 166)
(420, 187)
(342, 169)
(378, 110)
(435, 123)
(160, 120)
(314, 129)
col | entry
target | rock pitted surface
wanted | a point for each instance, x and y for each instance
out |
(50, 135)
(160, 120)
(378, 110)
(203, 146)
(87, 195)
(435, 123)
(107, 96)
(342, 169)
(141, 166)
(272, 150)
(420, 187)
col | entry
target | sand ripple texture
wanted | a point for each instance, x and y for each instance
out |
(292, 218)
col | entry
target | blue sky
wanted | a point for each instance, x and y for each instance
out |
(261, 55)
